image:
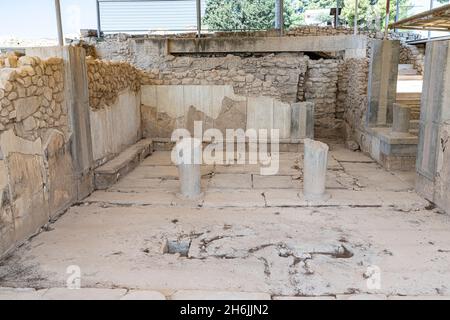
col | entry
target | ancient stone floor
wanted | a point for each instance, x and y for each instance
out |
(250, 237)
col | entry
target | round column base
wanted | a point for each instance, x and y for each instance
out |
(317, 197)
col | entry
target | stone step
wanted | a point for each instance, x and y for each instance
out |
(414, 125)
(406, 69)
(110, 173)
(411, 77)
(411, 99)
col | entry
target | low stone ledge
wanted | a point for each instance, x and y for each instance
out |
(111, 172)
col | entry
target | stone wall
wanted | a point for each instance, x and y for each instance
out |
(36, 165)
(415, 55)
(107, 79)
(32, 96)
(288, 77)
(273, 75)
(321, 87)
(353, 85)
(115, 111)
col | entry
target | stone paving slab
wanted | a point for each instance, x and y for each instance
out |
(238, 169)
(288, 198)
(275, 182)
(419, 298)
(21, 294)
(154, 172)
(193, 295)
(214, 295)
(84, 294)
(231, 181)
(304, 298)
(159, 158)
(134, 184)
(147, 198)
(233, 198)
(247, 198)
(143, 295)
(361, 297)
(344, 155)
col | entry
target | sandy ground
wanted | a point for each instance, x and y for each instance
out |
(248, 234)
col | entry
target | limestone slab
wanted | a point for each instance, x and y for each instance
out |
(136, 295)
(159, 158)
(231, 181)
(153, 198)
(10, 294)
(233, 198)
(215, 295)
(275, 182)
(84, 294)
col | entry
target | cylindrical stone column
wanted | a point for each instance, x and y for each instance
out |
(315, 170)
(189, 156)
(402, 118)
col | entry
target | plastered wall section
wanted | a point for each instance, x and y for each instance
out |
(36, 173)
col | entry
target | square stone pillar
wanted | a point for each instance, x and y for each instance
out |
(434, 117)
(76, 94)
(383, 74)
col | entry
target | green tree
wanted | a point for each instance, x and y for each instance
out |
(372, 17)
(246, 15)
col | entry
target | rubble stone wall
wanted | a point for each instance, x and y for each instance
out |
(32, 96)
(289, 77)
(36, 172)
(415, 55)
(107, 79)
(353, 85)
(321, 87)
(273, 75)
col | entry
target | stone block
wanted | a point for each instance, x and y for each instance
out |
(302, 118)
(61, 184)
(28, 201)
(171, 100)
(148, 96)
(26, 106)
(260, 113)
(282, 118)
(233, 115)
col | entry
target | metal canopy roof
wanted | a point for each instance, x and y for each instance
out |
(437, 19)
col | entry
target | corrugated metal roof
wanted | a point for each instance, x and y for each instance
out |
(148, 15)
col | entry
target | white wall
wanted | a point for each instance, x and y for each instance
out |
(116, 127)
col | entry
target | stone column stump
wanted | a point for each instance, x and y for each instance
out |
(189, 156)
(315, 170)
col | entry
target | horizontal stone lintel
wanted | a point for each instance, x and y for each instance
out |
(269, 44)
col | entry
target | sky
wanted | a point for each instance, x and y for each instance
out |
(37, 17)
